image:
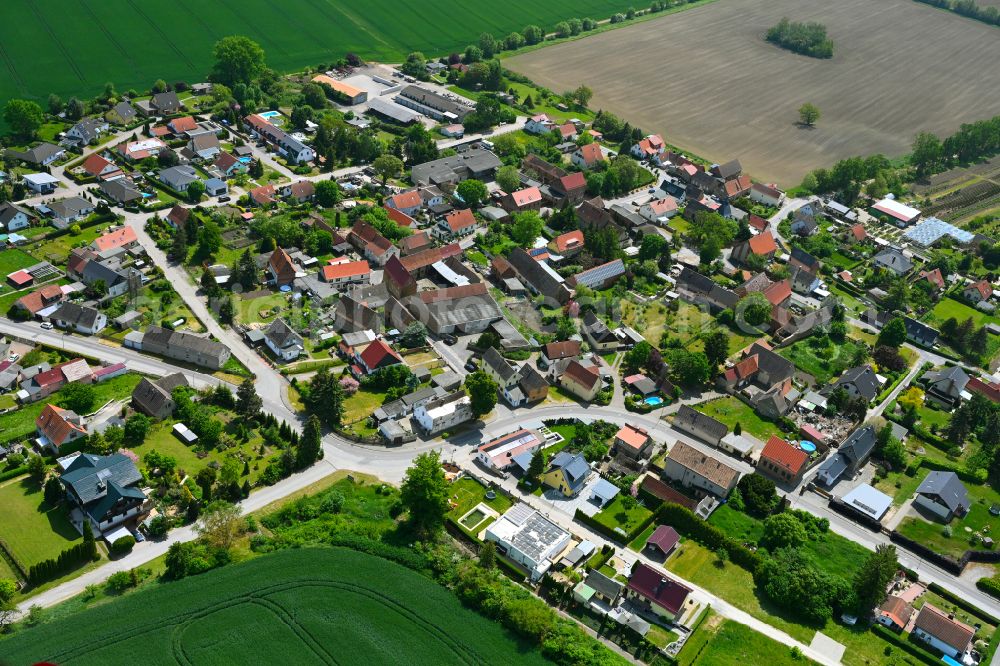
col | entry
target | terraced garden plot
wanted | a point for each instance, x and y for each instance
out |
(311, 606)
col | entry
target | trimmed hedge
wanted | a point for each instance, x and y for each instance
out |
(690, 525)
(990, 586)
(11, 473)
(71, 558)
(964, 603)
(905, 645)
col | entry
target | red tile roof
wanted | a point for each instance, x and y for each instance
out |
(345, 270)
(263, 194)
(41, 298)
(934, 277)
(985, 389)
(282, 266)
(758, 223)
(778, 292)
(572, 182)
(526, 197)
(763, 243)
(591, 153)
(745, 368)
(568, 241)
(95, 164)
(185, 124)
(20, 278)
(784, 455)
(657, 588)
(460, 219)
(582, 375)
(984, 288)
(53, 423)
(858, 231)
(409, 199)
(557, 350)
(399, 217)
(632, 436)
(377, 352)
(117, 238)
(937, 623)
(226, 160)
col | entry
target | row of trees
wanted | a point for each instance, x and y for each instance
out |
(969, 8)
(972, 141)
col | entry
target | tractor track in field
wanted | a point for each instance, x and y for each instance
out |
(110, 37)
(58, 42)
(166, 40)
(262, 33)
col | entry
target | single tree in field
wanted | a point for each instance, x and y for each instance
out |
(238, 59)
(808, 114)
(424, 493)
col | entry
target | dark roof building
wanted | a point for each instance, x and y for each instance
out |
(661, 594)
(104, 488)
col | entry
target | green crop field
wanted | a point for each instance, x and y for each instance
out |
(74, 48)
(307, 606)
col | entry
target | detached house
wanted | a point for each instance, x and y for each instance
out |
(849, 458)
(408, 202)
(768, 195)
(79, 318)
(539, 124)
(281, 270)
(893, 259)
(155, 399)
(659, 210)
(15, 218)
(283, 341)
(942, 495)
(97, 166)
(580, 380)
(648, 147)
(700, 426)
(105, 489)
(762, 245)
(691, 468)
(633, 443)
(943, 632)
(518, 386)
(947, 386)
(56, 426)
(528, 198)
(348, 272)
(656, 592)
(860, 382)
(457, 224)
(585, 157)
(443, 413)
(782, 461)
(567, 473)
(978, 292)
(378, 355)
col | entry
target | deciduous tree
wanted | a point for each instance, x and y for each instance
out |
(424, 492)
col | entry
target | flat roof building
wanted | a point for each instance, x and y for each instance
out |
(528, 538)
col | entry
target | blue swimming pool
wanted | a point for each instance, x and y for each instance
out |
(654, 401)
(269, 114)
(807, 446)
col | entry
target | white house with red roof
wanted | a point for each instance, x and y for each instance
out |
(56, 426)
(97, 166)
(408, 202)
(457, 223)
(979, 292)
(346, 272)
(587, 156)
(648, 147)
(659, 210)
(568, 244)
(768, 195)
(528, 198)
(539, 124)
(376, 356)
(122, 237)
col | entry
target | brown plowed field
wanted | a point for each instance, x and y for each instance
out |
(707, 80)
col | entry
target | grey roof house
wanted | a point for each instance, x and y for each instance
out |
(893, 259)
(947, 386)
(849, 458)
(943, 495)
(567, 473)
(860, 381)
(156, 398)
(104, 489)
(700, 426)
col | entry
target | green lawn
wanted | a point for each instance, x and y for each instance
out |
(615, 515)
(731, 410)
(728, 642)
(639, 542)
(360, 406)
(949, 307)
(18, 424)
(978, 520)
(737, 524)
(13, 259)
(467, 493)
(58, 249)
(820, 357)
(32, 529)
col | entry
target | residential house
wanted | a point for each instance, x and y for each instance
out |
(942, 495)
(457, 224)
(140, 149)
(600, 337)
(378, 355)
(45, 297)
(371, 244)
(919, 332)
(348, 272)
(100, 167)
(116, 280)
(804, 221)
(15, 218)
(122, 113)
(287, 145)
(69, 211)
(782, 461)
(182, 126)
(41, 155)
(894, 613)
(229, 165)
(478, 164)
(467, 308)
(567, 473)
(633, 443)
(582, 381)
(123, 237)
(568, 244)
(180, 346)
(605, 590)
(860, 382)
(539, 124)
(518, 386)
(163, 104)
(178, 216)
(762, 245)
(104, 489)
(539, 276)
(570, 187)
(656, 592)
(934, 278)
(155, 398)
(586, 157)
(659, 211)
(178, 177)
(557, 351)
(691, 468)
(852, 455)
(56, 427)
(281, 270)
(801, 259)
(525, 199)
(700, 426)
(648, 147)
(42, 381)
(528, 539)
(768, 195)
(803, 282)
(121, 191)
(978, 292)
(699, 289)
(499, 454)
(283, 341)
(263, 196)
(79, 318)
(856, 234)
(408, 202)
(599, 277)
(87, 131)
(947, 386)
(399, 282)
(663, 540)
(943, 632)
(893, 259)
(444, 413)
